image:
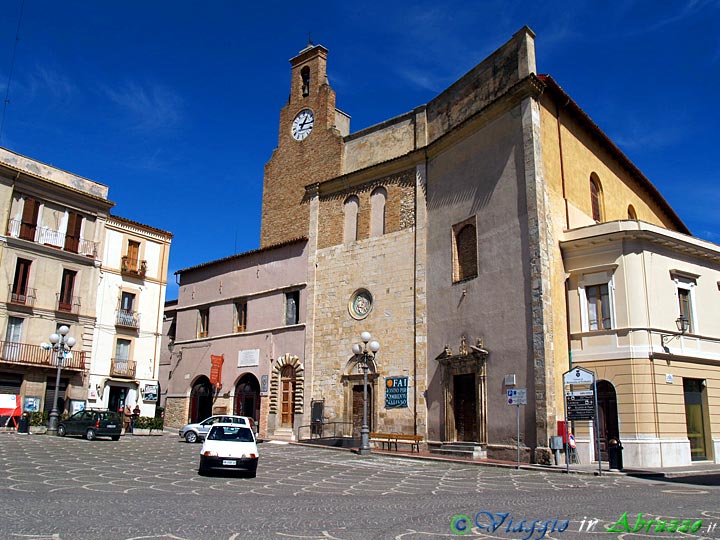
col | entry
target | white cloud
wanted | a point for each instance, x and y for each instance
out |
(149, 108)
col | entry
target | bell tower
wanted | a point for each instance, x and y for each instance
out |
(309, 149)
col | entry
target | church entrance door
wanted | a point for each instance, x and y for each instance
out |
(465, 400)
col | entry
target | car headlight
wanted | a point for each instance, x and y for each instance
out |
(208, 453)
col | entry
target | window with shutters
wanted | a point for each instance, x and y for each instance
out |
(20, 292)
(292, 307)
(72, 236)
(596, 294)
(203, 323)
(240, 316)
(28, 225)
(66, 301)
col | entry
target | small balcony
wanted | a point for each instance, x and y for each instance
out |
(68, 305)
(26, 354)
(51, 237)
(127, 319)
(122, 367)
(133, 267)
(21, 298)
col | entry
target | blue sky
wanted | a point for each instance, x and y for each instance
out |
(174, 105)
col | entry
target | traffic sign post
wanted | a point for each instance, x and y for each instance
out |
(581, 405)
(517, 397)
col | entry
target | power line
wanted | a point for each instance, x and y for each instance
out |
(12, 67)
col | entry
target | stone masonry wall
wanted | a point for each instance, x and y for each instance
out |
(399, 208)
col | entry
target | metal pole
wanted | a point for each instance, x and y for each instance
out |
(567, 434)
(53, 419)
(365, 431)
(597, 426)
(518, 435)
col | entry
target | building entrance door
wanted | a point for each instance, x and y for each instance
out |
(247, 397)
(287, 391)
(357, 408)
(201, 400)
(465, 400)
(696, 417)
(608, 416)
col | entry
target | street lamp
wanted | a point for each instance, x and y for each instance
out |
(61, 344)
(366, 352)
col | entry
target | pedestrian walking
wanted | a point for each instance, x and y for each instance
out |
(127, 416)
(135, 416)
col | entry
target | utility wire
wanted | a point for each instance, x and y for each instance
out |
(12, 67)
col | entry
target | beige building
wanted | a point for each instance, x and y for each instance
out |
(51, 251)
(66, 261)
(130, 304)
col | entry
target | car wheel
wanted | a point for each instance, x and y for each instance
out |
(191, 437)
(61, 431)
(90, 435)
(116, 437)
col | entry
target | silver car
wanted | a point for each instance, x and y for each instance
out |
(197, 432)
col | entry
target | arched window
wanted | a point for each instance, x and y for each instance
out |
(305, 74)
(596, 198)
(377, 212)
(465, 256)
(632, 214)
(352, 203)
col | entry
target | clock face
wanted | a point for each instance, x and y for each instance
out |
(303, 124)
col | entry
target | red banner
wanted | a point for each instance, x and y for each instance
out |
(216, 370)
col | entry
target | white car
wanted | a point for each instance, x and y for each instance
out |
(229, 447)
(196, 432)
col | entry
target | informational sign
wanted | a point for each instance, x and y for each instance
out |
(517, 396)
(263, 384)
(579, 376)
(150, 392)
(216, 364)
(580, 405)
(396, 392)
(249, 358)
(32, 404)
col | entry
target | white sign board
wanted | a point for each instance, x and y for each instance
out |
(248, 358)
(518, 396)
(579, 376)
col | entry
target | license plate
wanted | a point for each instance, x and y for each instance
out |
(229, 462)
(111, 425)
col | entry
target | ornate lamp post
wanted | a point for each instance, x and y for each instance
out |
(366, 352)
(61, 344)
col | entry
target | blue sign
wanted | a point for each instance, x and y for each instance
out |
(396, 392)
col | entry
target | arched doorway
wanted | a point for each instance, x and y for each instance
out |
(201, 400)
(607, 416)
(247, 397)
(287, 396)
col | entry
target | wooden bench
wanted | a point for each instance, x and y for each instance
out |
(394, 438)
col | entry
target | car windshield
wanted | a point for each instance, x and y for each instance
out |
(231, 433)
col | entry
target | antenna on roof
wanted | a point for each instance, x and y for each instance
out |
(310, 41)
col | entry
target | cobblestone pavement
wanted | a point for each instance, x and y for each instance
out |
(148, 488)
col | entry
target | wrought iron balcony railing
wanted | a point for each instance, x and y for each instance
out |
(24, 353)
(133, 267)
(25, 298)
(128, 319)
(51, 237)
(122, 367)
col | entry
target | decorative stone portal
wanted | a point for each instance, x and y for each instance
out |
(465, 395)
(352, 381)
(287, 387)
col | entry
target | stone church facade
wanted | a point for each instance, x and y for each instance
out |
(489, 240)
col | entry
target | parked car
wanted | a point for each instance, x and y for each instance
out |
(92, 424)
(229, 447)
(197, 432)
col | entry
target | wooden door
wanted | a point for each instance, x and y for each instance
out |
(465, 407)
(357, 408)
(287, 389)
